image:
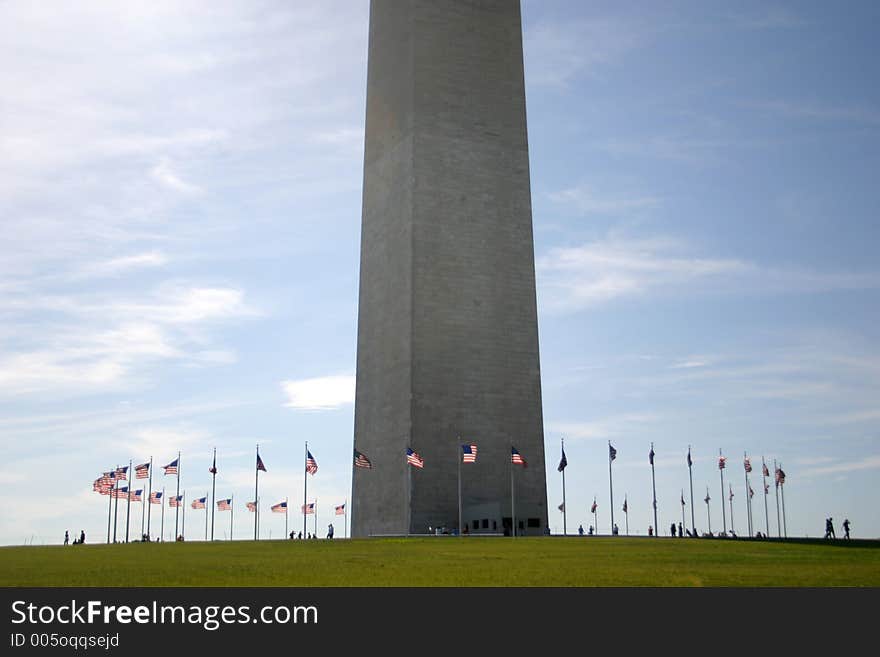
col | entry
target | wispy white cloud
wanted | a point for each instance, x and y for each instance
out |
(574, 278)
(871, 462)
(588, 201)
(602, 428)
(166, 175)
(124, 264)
(320, 393)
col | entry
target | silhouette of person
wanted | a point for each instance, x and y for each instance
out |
(846, 528)
(650, 530)
(591, 530)
(82, 536)
(615, 530)
(292, 534)
(66, 538)
(680, 531)
(299, 536)
(672, 530)
(581, 530)
(330, 531)
(829, 528)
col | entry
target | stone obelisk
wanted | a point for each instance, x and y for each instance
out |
(447, 325)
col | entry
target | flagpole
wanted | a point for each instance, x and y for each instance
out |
(177, 494)
(257, 496)
(110, 509)
(595, 516)
(748, 512)
(213, 491)
(564, 507)
(116, 503)
(305, 488)
(231, 513)
(128, 499)
(345, 519)
(708, 513)
(183, 519)
(611, 487)
(764, 483)
(407, 507)
(512, 498)
(654, 490)
(162, 527)
(691, 478)
(149, 494)
(315, 533)
(286, 513)
(144, 502)
(723, 512)
(626, 514)
(460, 457)
(683, 523)
(782, 487)
(776, 482)
(730, 501)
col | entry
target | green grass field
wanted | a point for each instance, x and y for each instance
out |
(448, 561)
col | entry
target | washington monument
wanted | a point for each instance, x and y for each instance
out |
(447, 348)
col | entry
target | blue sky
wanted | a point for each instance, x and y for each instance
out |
(180, 197)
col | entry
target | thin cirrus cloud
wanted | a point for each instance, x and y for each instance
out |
(320, 393)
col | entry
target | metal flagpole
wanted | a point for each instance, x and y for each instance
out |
(653, 488)
(782, 487)
(345, 519)
(149, 495)
(128, 501)
(305, 487)
(512, 498)
(460, 457)
(723, 512)
(564, 507)
(257, 495)
(683, 523)
(776, 479)
(407, 508)
(183, 518)
(708, 513)
(730, 500)
(162, 526)
(595, 515)
(611, 455)
(286, 513)
(177, 508)
(145, 500)
(231, 513)
(213, 491)
(110, 508)
(116, 503)
(748, 500)
(315, 533)
(626, 514)
(206, 516)
(691, 478)
(764, 483)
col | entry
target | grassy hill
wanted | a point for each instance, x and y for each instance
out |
(449, 561)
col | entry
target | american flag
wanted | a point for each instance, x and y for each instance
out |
(612, 453)
(516, 457)
(731, 492)
(563, 462)
(690, 463)
(764, 470)
(199, 503)
(281, 507)
(308, 508)
(108, 478)
(213, 468)
(156, 498)
(340, 510)
(747, 464)
(122, 473)
(175, 501)
(225, 505)
(682, 499)
(142, 471)
(171, 468)
(751, 493)
(414, 459)
(136, 495)
(625, 507)
(260, 465)
(651, 455)
(561, 507)
(780, 477)
(252, 506)
(468, 453)
(766, 489)
(311, 463)
(103, 485)
(707, 498)
(722, 461)
(361, 461)
(120, 493)
(594, 507)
